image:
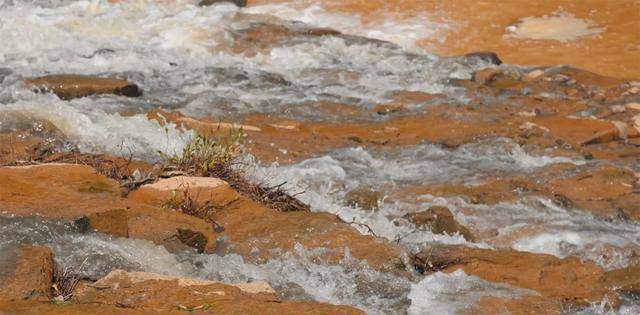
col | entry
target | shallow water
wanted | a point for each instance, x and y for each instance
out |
(183, 57)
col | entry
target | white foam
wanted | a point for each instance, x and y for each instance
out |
(405, 31)
(94, 130)
(445, 294)
(325, 180)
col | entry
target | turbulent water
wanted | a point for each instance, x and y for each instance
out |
(183, 57)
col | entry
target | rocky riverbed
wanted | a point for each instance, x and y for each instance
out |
(300, 157)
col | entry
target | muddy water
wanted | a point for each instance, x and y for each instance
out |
(600, 36)
(198, 61)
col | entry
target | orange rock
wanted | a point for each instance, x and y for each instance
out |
(528, 305)
(561, 279)
(26, 273)
(64, 191)
(439, 220)
(625, 279)
(141, 290)
(69, 86)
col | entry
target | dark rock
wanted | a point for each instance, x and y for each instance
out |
(439, 220)
(70, 86)
(488, 56)
(239, 3)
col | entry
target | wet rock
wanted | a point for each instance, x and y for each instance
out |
(625, 279)
(533, 75)
(527, 305)
(365, 198)
(486, 56)
(260, 37)
(633, 106)
(4, 72)
(239, 3)
(259, 234)
(70, 86)
(26, 273)
(139, 290)
(566, 279)
(24, 138)
(604, 191)
(485, 76)
(439, 220)
(78, 192)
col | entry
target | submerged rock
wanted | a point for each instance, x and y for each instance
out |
(70, 86)
(364, 197)
(26, 273)
(439, 220)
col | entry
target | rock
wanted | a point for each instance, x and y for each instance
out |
(239, 3)
(619, 131)
(533, 75)
(26, 273)
(24, 138)
(70, 86)
(201, 189)
(77, 192)
(385, 109)
(365, 198)
(487, 56)
(526, 305)
(439, 220)
(566, 279)
(142, 290)
(633, 106)
(625, 279)
(259, 234)
(485, 76)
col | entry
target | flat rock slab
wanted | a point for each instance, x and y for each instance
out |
(78, 192)
(70, 86)
(139, 290)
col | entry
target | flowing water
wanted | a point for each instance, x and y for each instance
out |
(186, 58)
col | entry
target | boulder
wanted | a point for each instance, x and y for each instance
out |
(26, 273)
(439, 220)
(70, 86)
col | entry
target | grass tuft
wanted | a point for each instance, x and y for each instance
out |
(209, 157)
(65, 280)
